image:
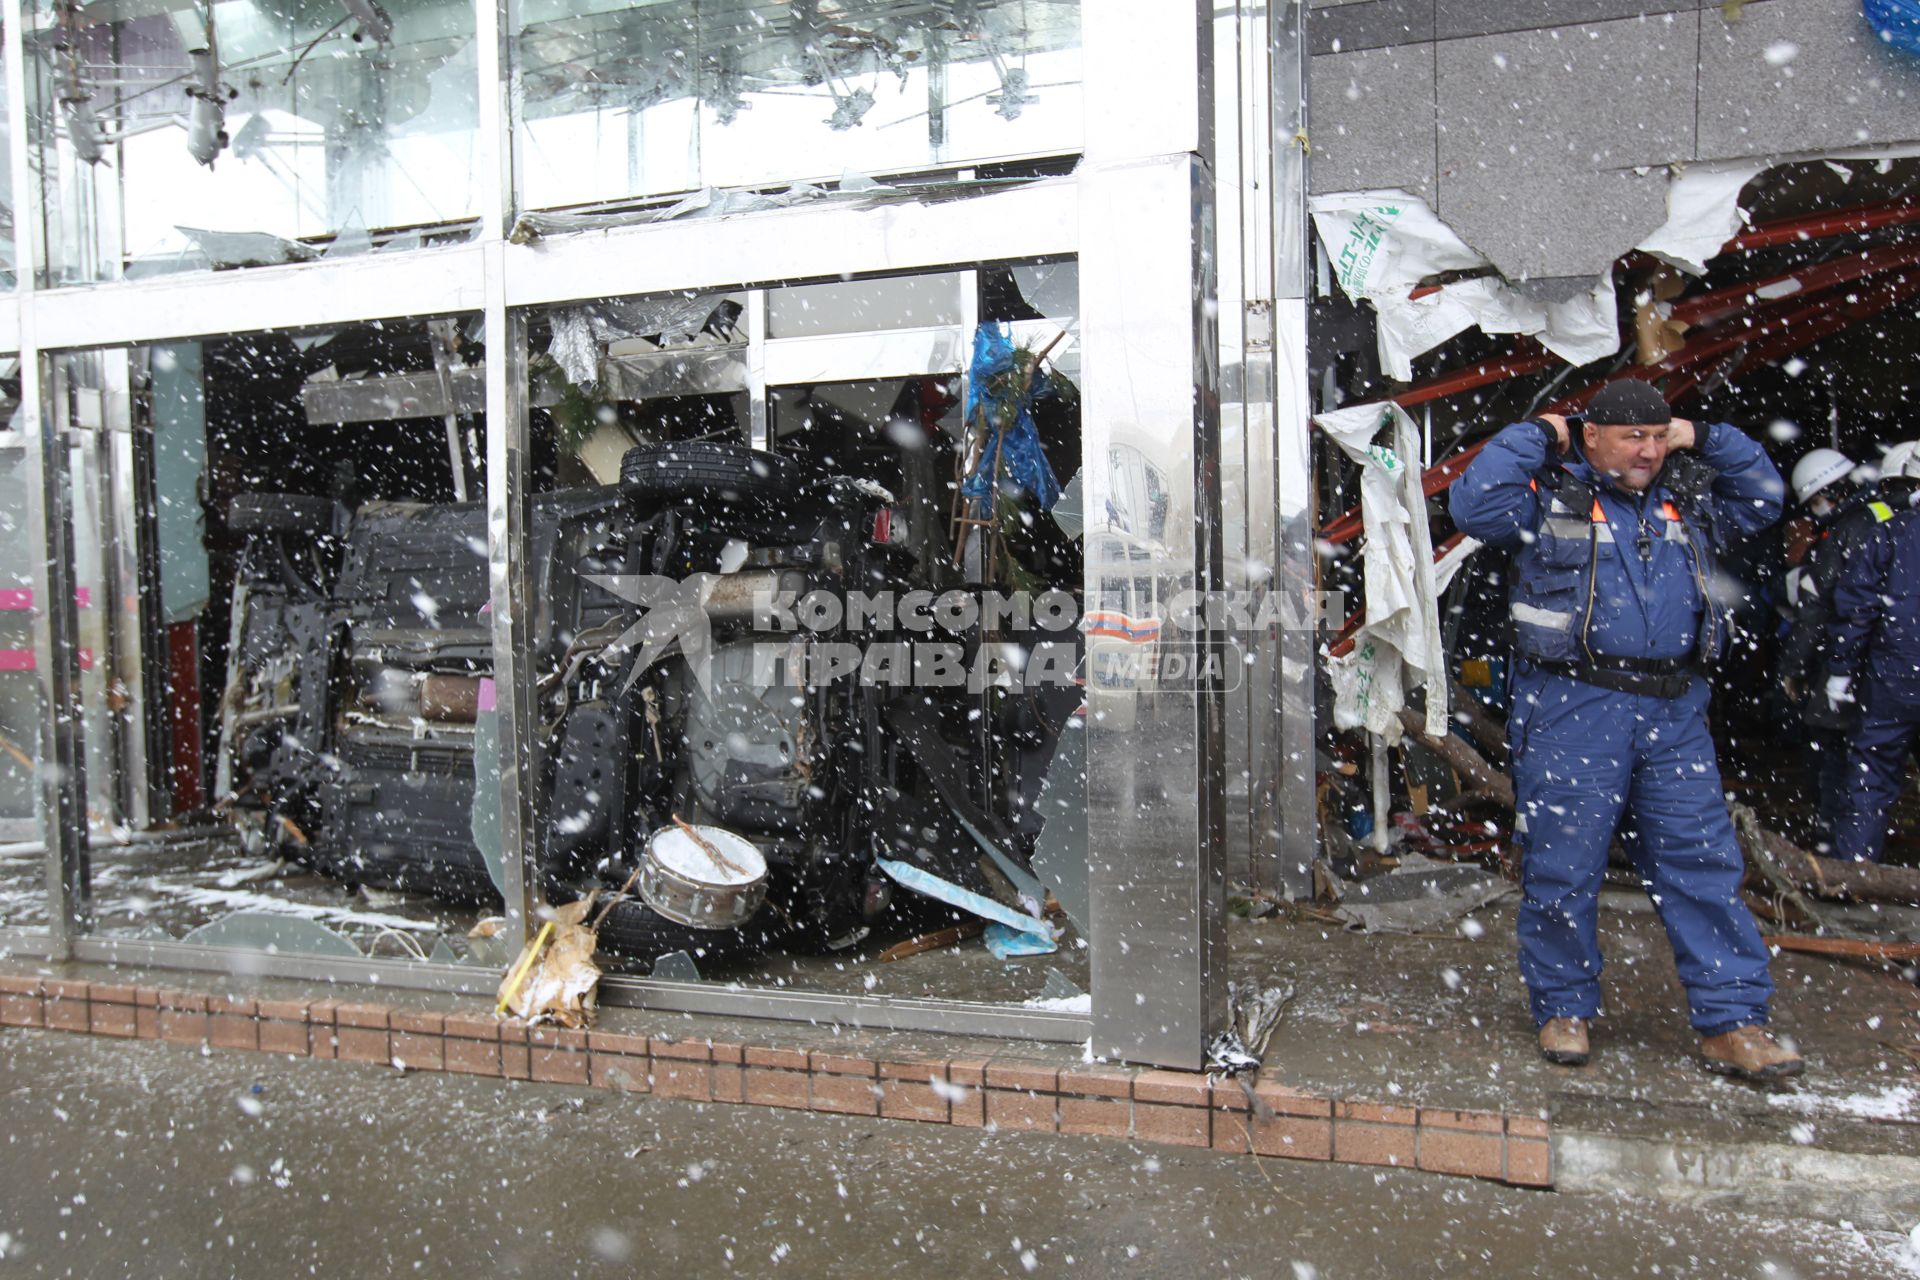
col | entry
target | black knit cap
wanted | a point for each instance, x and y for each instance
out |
(1629, 402)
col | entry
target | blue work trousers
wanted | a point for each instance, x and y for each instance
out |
(1876, 768)
(1586, 762)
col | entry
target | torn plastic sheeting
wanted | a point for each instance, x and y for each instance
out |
(1367, 677)
(1703, 213)
(1383, 244)
(1006, 943)
(1401, 637)
(932, 886)
(1012, 450)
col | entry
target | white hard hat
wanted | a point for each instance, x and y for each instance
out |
(1817, 470)
(1903, 460)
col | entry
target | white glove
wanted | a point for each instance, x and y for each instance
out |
(1839, 689)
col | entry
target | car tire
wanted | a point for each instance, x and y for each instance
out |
(635, 931)
(725, 472)
(281, 513)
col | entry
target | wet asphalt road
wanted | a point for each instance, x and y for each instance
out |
(148, 1159)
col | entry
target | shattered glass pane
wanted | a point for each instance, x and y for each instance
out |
(280, 934)
(659, 98)
(190, 136)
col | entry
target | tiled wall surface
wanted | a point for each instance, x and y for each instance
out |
(1540, 130)
(1002, 1092)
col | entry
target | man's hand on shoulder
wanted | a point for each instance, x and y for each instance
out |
(1556, 424)
(1680, 434)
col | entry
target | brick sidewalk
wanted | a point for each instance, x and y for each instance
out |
(1002, 1092)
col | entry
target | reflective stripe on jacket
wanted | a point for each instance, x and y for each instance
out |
(1601, 571)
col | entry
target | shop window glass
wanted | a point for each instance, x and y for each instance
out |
(22, 865)
(184, 136)
(831, 778)
(285, 638)
(860, 306)
(622, 101)
(7, 232)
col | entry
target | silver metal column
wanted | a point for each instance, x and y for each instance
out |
(1151, 453)
(1296, 569)
(1243, 167)
(509, 477)
(56, 649)
(56, 623)
(509, 511)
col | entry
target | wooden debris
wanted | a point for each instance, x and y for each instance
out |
(1824, 877)
(1488, 734)
(933, 941)
(1850, 948)
(1480, 777)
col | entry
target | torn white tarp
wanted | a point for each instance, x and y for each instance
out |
(1398, 645)
(1382, 244)
(1703, 213)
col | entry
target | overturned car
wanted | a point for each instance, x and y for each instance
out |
(675, 686)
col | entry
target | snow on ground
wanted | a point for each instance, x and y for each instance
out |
(241, 900)
(1895, 1102)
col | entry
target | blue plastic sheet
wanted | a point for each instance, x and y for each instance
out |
(991, 392)
(912, 877)
(1896, 21)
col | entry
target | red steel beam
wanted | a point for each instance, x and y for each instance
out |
(1473, 376)
(1718, 304)
(1780, 315)
(1819, 226)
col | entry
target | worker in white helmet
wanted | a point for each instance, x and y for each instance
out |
(1900, 474)
(1845, 508)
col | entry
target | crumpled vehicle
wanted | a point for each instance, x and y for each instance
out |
(362, 641)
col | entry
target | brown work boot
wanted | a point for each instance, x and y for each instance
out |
(1751, 1053)
(1563, 1042)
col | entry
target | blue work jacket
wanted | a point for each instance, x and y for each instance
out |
(1601, 571)
(1875, 630)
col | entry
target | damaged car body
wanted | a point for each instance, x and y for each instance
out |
(691, 625)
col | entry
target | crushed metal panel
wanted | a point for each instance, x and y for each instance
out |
(337, 402)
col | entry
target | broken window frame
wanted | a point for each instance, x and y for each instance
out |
(1139, 216)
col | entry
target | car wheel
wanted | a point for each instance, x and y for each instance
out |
(727, 473)
(636, 931)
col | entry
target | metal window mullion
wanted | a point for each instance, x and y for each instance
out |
(1296, 517)
(29, 204)
(493, 24)
(758, 428)
(509, 511)
(125, 603)
(49, 537)
(56, 625)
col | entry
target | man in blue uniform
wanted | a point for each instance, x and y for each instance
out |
(1874, 658)
(1614, 524)
(1845, 513)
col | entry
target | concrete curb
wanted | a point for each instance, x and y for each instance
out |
(1000, 1092)
(1871, 1192)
